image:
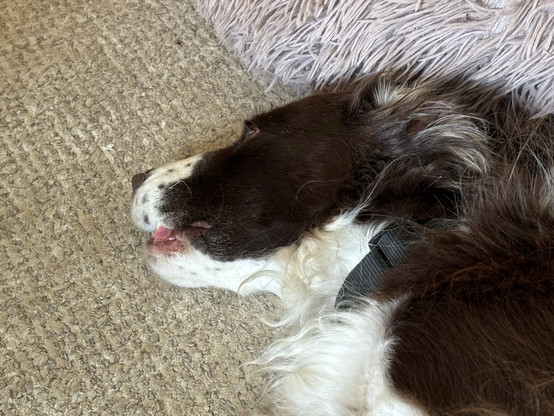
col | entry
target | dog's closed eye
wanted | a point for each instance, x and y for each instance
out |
(249, 130)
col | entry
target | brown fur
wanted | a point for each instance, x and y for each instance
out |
(476, 334)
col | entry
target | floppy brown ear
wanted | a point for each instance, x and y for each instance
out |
(416, 158)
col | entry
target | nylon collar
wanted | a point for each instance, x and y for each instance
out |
(389, 248)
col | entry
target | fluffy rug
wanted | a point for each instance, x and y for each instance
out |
(497, 44)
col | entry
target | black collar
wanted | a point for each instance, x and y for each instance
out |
(388, 249)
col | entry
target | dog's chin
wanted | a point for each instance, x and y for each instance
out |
(174, 257)
(181, 264)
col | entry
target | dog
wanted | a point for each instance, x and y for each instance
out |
(462, 324)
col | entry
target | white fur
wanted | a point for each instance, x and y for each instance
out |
(337, 365)
(314, 272)
(195, 269)
(387, 94)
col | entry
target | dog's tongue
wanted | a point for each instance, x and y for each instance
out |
(163, 234)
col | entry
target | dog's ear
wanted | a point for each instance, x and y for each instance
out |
(448, 144)
(416, 156)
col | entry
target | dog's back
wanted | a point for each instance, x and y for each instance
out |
(476, 335)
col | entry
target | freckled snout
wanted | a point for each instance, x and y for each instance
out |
(150, 192)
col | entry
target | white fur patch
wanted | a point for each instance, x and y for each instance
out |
(385, 93)
(314, 272)
(337, 365)
(148, 197)
(195, 269)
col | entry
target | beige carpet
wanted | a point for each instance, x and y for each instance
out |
(90, 93)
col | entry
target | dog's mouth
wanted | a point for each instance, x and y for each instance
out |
(167, 241)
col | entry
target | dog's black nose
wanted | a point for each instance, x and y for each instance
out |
(138, 180)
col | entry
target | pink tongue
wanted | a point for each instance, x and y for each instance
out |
(163, 234)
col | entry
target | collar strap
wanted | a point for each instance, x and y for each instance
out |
(388, 249)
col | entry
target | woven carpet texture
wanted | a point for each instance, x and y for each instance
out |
(92, 92)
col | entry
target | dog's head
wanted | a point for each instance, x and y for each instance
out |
(381, 150)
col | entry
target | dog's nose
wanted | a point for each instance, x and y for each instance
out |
(138, 180)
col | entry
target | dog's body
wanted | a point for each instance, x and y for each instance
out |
(464, 326)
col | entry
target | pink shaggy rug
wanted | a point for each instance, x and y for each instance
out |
(503, 45)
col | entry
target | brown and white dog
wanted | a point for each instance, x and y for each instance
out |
(464, 326)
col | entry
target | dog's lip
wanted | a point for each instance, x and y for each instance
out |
(168, 241)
